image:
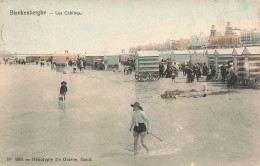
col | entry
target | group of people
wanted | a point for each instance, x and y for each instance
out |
(196, 71)
(42, 64)
(168, 70)
(225, 73)
(228, 74)
(81, 64)
(13, 61)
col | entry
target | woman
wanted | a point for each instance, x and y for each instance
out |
(139, 119)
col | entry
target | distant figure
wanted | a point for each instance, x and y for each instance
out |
(70, 62)
(63, 89)
(173, 76)
(196, 71)
(177, 68)
(213, 73)
(232, 79)
(84, 64)
(161, 69)
(223, 73)
(204, 70)
(186, 70)
(168, 71)
(183, 69)
(219, 75)
(199, 74)
(204, 89)
(81, 66)
(190, 76)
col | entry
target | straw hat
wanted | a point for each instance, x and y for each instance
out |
(63, 82)
(135, 104)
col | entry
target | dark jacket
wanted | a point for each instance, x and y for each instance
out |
(63, 89)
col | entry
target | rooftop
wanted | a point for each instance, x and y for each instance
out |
(252, 50)
(148, 53)
(225, 51)
(238, 51)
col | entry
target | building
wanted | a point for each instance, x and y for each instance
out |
(195, 42)
(158, 47)
(205, 41)
(168, 44)
(180, 44)
(180, 56)
(250, 37)
(230, 39)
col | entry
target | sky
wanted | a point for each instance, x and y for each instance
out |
(112, 25)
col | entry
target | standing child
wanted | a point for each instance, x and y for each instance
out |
(63, 89)
(204, 89)
(139, 119)
(173, 75)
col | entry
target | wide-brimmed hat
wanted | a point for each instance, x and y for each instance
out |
(63, 82)
(135, 104)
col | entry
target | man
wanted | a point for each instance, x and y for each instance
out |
(213, 72)
(168, 71)
(139, 119)
(183, 69)
(223, 72)
(161, 69)
(196, 72)
(204, 70)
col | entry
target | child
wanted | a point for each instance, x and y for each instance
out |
(63, 89)
(173, 77)
(204, 89)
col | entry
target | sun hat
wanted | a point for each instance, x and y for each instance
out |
(63, 82)
(136, 104)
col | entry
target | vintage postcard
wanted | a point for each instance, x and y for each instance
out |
(129, 82)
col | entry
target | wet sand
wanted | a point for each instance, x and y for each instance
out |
(95, 119)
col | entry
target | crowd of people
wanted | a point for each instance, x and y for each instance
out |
(167, 69)
(13, 61)
(196, 71)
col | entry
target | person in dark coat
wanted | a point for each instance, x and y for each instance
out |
(161, 69)
(190, 76)
(168, 71)
(223, 72)
(232, 80)
(183, 69)
(204, 70)
(213, 72)
(196, 72)
(63, 89)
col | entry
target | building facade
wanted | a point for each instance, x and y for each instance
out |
(180, 45)
(230, 39)
(250, 37)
